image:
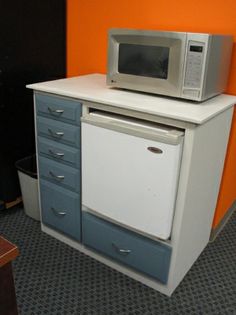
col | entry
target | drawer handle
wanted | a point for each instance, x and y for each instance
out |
(56, 154)
(58, 213)
(55, 111)
(57, 177)
(121, 251)
(155, 150)
(57, 134)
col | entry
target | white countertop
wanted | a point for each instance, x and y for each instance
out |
(93, 88)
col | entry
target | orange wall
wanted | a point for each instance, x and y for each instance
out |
(89, 20)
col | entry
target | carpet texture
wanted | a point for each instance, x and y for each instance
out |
(52, 278)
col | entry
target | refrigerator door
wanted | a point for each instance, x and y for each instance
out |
(130, 180)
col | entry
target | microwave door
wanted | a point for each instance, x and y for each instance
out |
(148, 63)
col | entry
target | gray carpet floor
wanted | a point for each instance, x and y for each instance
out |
(52, 278)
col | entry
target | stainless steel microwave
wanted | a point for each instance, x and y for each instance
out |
(193, 66)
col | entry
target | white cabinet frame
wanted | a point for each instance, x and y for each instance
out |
(207, 129)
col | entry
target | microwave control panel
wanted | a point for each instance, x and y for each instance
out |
(194, 63)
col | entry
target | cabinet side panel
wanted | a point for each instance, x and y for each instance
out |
(227, 193)
(202, 166)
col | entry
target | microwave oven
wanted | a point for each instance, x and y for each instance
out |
(192, 66)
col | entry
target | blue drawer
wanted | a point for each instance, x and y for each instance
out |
(61, 209)
(143, 254)
(58, 131)
(62, 175)
(59, 152)
(63, 109)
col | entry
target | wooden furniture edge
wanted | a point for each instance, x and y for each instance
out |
(8, 251)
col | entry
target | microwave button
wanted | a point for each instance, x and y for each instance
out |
(191, 93)
(193, 82)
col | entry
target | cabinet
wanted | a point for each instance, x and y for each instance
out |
(58, 148)
(160, 263)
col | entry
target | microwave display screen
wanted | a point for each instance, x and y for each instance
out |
(144, 60)
(196, 48)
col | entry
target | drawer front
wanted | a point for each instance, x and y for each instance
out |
(59, 152)
(58, 131)
(61, 209)
(145, 255)
(62, 175)
(62, 109)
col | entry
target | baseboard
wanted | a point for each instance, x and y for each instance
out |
(7, 205)
(215, 232)
(13, 203)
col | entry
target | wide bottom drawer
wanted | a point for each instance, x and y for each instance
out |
(61, 209)
(145, 255)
